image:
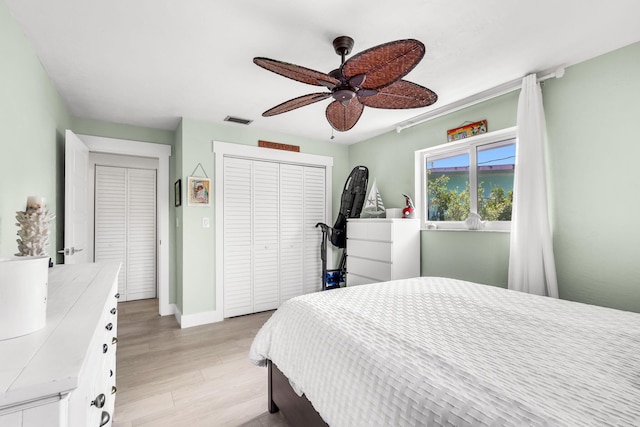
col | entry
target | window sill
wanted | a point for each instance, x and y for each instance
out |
(464, 230)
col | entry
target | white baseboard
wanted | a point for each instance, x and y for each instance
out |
(197, 319)
(168, 310)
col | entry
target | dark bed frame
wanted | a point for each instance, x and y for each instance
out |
(280, 396)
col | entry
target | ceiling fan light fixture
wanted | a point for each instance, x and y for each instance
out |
(343, 95)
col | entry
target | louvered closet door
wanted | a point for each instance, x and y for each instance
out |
(111, 219)
(265, 235)
(271, 246)
(314, 212)
(237, 261)
(291, 231)
(141, 242)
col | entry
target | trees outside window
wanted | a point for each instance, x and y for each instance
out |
(469, 176)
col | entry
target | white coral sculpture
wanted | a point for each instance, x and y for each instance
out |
(34, 233)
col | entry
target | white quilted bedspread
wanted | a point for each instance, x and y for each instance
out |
(434, 351)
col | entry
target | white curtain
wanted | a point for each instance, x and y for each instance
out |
(531, 262)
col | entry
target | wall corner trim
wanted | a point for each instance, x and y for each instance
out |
(197, 319)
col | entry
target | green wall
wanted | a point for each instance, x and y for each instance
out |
(196, 251)
(481, 256)
(592, 152)
(33, 119)
(120, 131)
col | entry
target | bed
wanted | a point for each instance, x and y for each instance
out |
(439, 351)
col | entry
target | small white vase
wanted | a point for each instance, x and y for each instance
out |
(23, 295)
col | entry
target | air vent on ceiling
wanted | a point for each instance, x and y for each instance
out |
(237, 120)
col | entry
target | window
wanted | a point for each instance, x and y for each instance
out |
(471, 175)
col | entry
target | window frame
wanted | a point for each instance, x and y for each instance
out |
(468, 145)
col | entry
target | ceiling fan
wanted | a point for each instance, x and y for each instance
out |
(371, 78)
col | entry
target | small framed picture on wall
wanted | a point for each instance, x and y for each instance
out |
(198, 191)
(177, 191)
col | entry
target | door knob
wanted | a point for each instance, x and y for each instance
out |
(70, 251)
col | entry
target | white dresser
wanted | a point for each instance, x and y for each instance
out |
(64, 374)
(382, 249)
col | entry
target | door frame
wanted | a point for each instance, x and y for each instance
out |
(250, 152)
(162, 152)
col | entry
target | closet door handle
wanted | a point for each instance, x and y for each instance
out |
(109, 326)
(105, 418)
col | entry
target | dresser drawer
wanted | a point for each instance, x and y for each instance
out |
(380, 251)
(355, 280)
(380, 231)
(368, 268)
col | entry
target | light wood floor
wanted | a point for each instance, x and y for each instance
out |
(200, 376)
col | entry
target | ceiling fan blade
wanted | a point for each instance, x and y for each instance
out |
(400, 95)
(343, 118)
(385, 63)
(298, 102)
(296, 72)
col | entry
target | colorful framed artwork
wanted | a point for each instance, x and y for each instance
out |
(467, 130)
(198, 191)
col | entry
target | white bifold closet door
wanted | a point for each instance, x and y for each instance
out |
(271, 246)
(265, 232)
(125, 227)
(291, 231)
(314, 210)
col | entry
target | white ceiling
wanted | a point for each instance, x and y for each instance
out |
(151, 62)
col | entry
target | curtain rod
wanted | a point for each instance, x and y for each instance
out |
(472, 100)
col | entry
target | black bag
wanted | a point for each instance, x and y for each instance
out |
(351, 203)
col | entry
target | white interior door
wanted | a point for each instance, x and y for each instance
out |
(141, 234)
(76, 217)
(265, 236)
(238, 257)
(291, 231)
(110, 226)
(125, 227)
(314, 212)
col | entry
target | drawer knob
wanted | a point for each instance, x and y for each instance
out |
(117, 295)
(104, 420)
(104, 348)
(99, 401)
(109, 326)
(113, 389)
(114, 340)
(113, 311)
(110, 372)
